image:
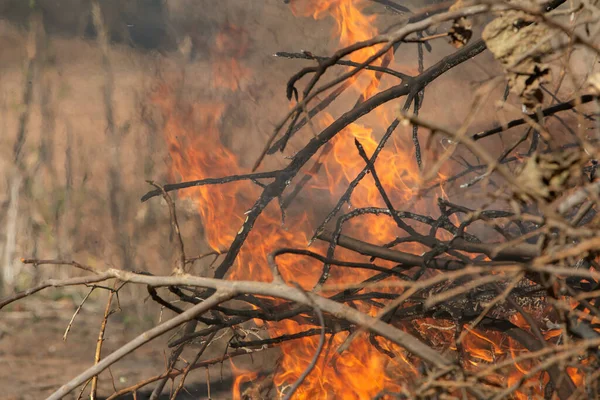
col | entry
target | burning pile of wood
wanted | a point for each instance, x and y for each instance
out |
(396, 290)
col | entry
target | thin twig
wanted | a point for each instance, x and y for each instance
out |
(189, 367)
(76, 313)
(313, 362)
(99, 343)
(217, 298)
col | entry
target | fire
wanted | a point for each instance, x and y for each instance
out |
(241, 377)
(355, 374)
(192, 131)
(231, 44)
(361, 371)
(397, 174)
(352, 26)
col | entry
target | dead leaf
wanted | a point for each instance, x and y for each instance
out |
(593, 83)
(549, 175)
(461, 32)
(462, 28)
(518, 41)
(526, 82)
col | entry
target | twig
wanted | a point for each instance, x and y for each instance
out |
(407, 259)
(209, 181)
(309, 56)
(276, 188)
(390, 40)
(345, 198)
(75, 264)
(76, 312)
(568, 105)
(278, 339)
(179, 267)
(100, 341)
(470, 144)
(217, 298)
(579, 196)
(176, 373)
(313, 362)
(84, 280)
(189, 328)
(187, 369)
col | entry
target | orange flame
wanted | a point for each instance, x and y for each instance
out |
(231, 44)
(352, 26)
(241, 377)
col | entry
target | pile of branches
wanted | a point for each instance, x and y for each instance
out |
(544, 206)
